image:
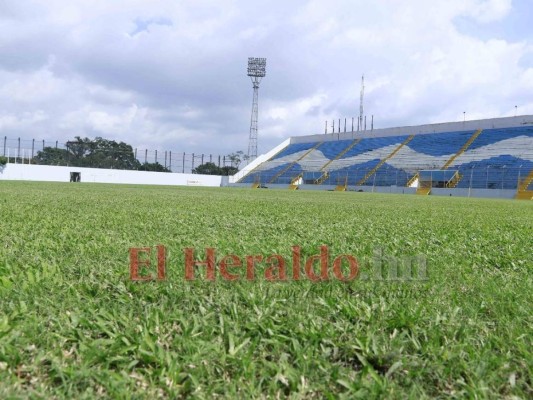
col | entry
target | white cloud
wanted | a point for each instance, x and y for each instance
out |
(22, 120)
(170, 74)
(491, 10)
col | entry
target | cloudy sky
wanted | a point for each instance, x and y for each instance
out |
(171, 74)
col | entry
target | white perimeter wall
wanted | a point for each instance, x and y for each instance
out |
(47, 173)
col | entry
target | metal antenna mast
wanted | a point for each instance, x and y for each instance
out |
(361, 110)
(256, 71)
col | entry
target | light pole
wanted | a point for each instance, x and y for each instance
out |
(256, 71)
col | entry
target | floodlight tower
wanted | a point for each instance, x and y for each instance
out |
(256, 71)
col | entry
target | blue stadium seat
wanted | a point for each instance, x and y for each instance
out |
(440, 144)
(334, 148)
(294, 148)
(497, 158)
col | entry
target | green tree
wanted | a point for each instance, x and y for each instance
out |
(103, 153)
(155, 167)
(52, 156)
(97, 153)
(227, 170)
(237, 157)
(208, 168)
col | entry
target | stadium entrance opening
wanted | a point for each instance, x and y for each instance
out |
(75, 176)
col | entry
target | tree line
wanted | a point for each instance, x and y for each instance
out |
(95, 153)
(210, 168)
(109, 154)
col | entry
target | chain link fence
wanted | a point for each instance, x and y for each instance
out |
(24, 151)
(480, 176)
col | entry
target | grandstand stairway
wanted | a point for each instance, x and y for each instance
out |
(453, 183)
(463, 149)
(257, 183)
(396, 150)
(342, 187)
(326, 173)
(523, 193)
(412, 180)
(452, 158)
(423, 191)
(294, 182)
(323, 177)
(526, 182)
(295, 162)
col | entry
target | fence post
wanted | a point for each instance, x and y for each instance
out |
(170, 160)
(470, 184)
(192, 162)
(5, 145)
(145, 156)
(32, 147)
(165, 158)
(503, 177)
(156, 156)
(18, 149)
(219, 160)
(43, 144)
(183, 161)
(210, 158)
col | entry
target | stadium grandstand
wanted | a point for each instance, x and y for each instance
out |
(491, 154)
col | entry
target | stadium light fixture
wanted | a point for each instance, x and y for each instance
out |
(256, 67)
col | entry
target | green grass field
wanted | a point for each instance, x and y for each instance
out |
(72, 325)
